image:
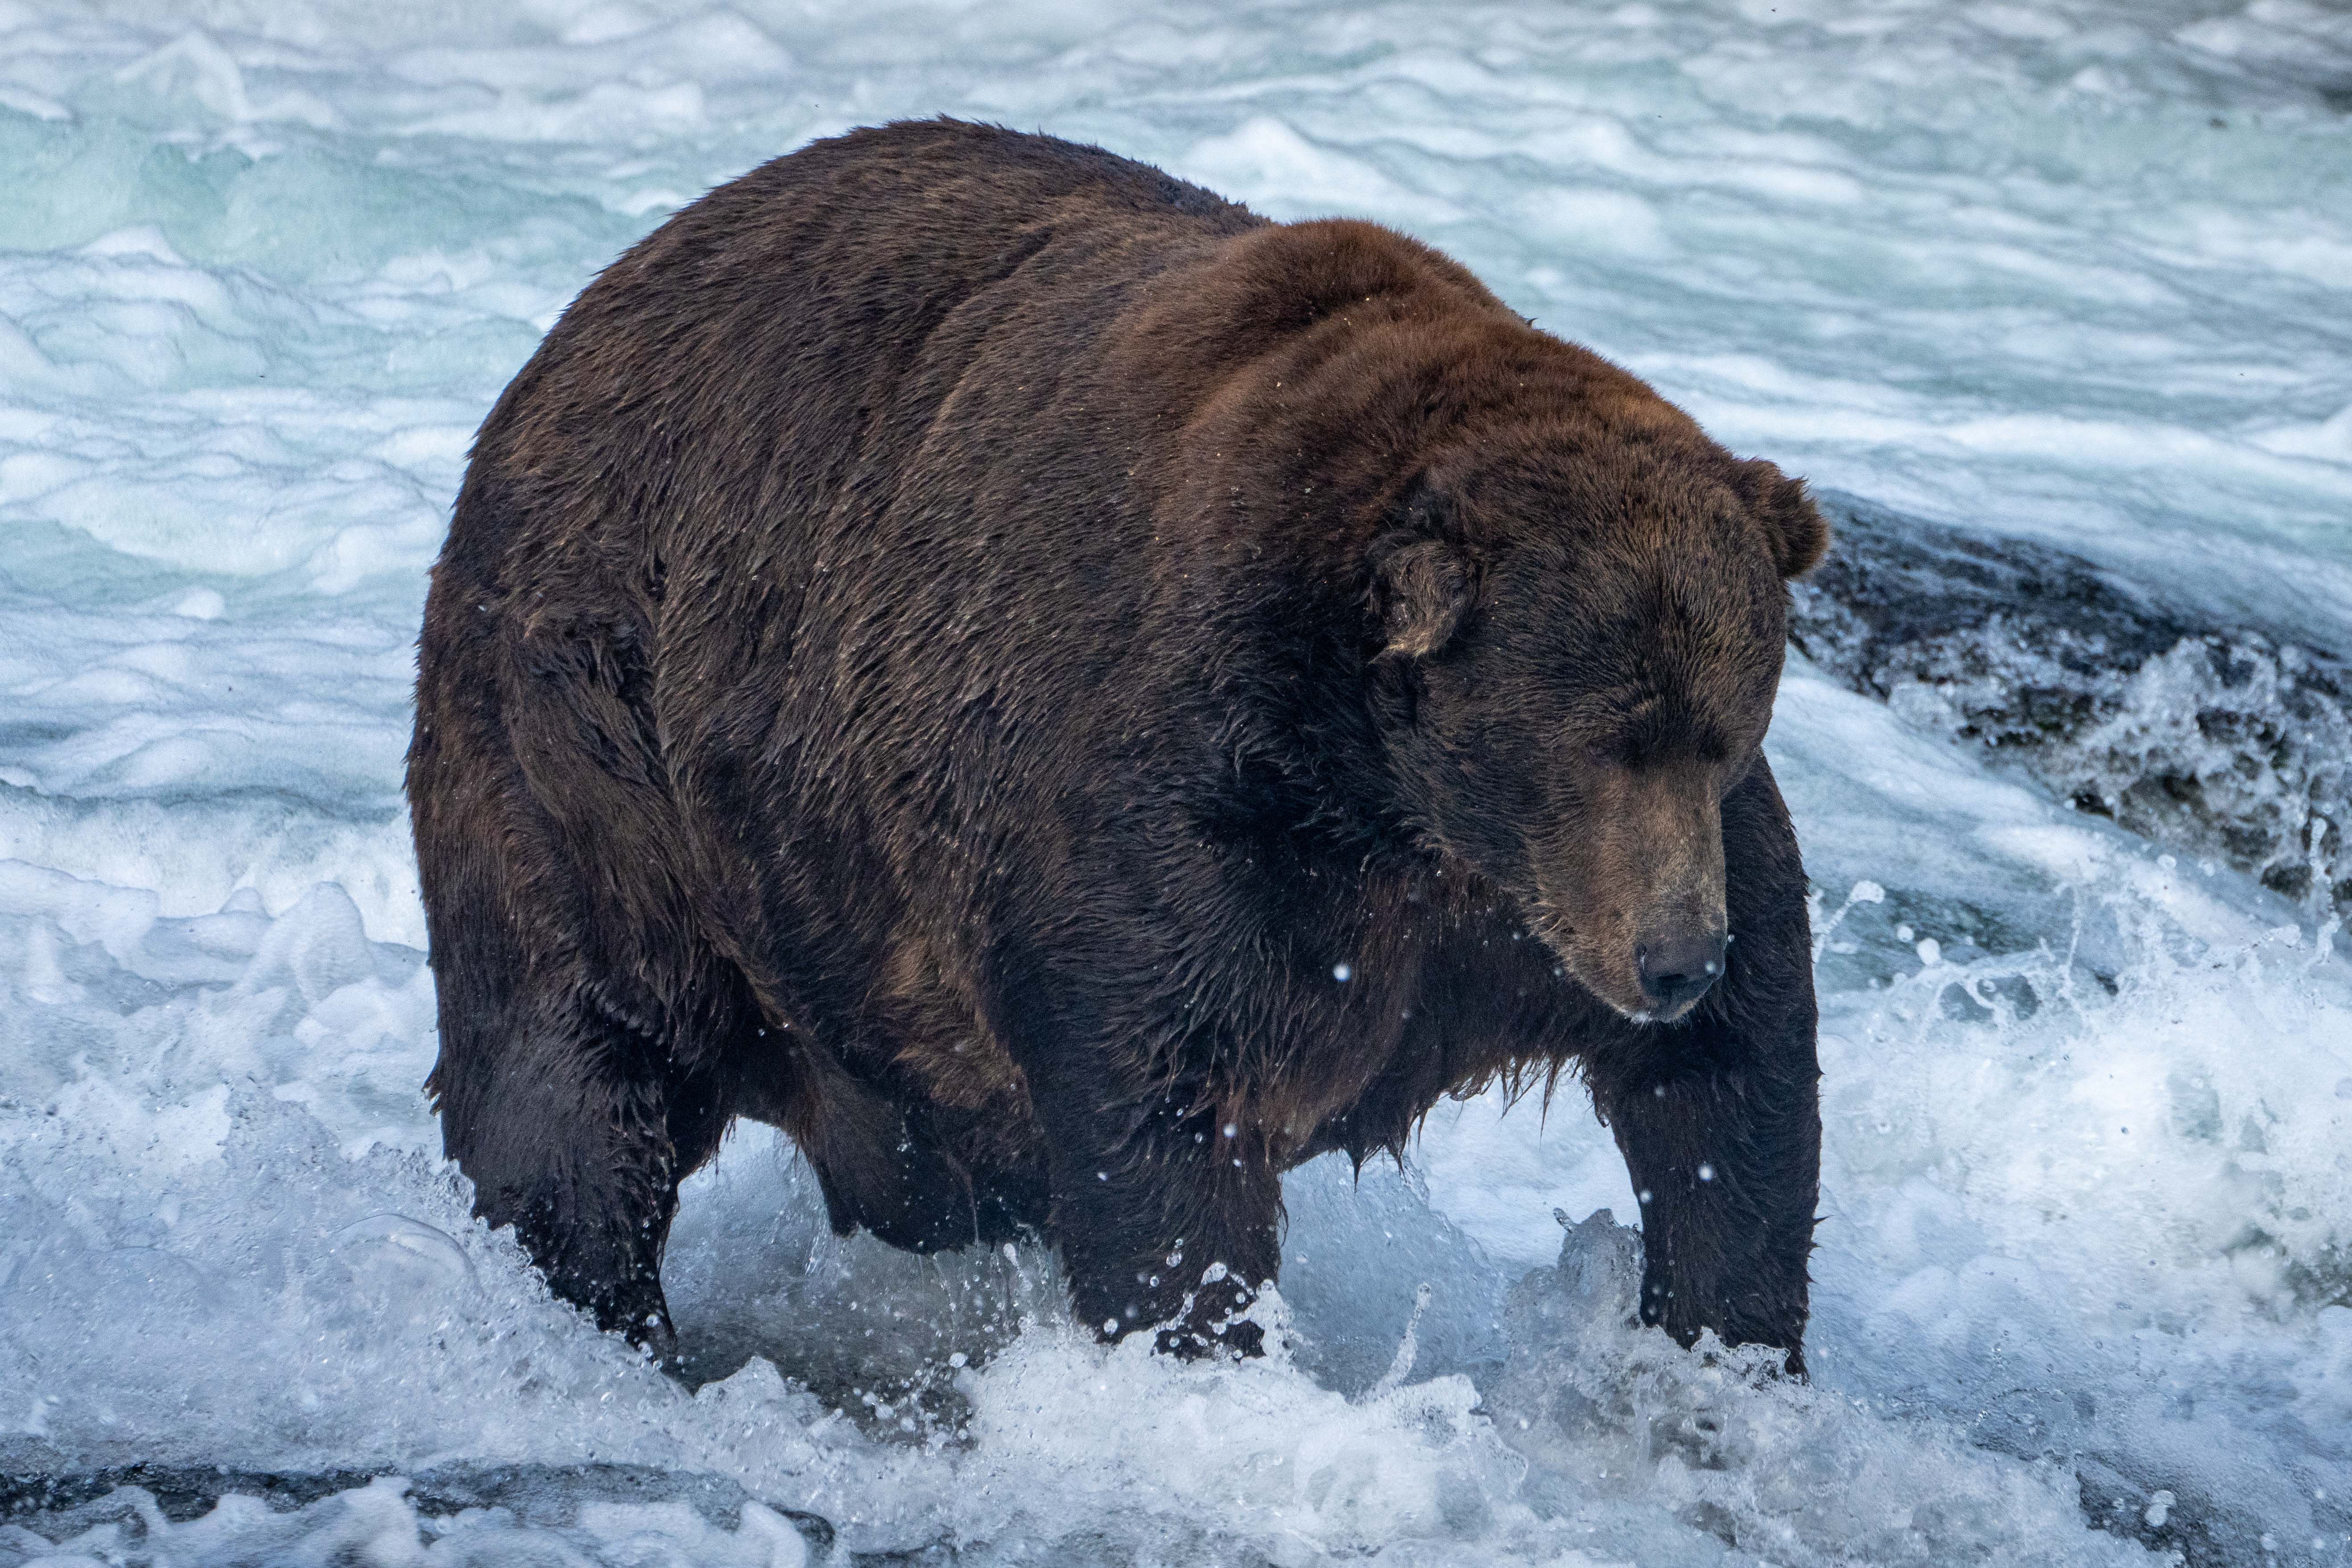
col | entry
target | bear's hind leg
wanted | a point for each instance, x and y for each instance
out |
(579, 1081)
(576, 1128)
(565, 1137)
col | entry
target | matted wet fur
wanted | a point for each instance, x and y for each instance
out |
(1070, 700)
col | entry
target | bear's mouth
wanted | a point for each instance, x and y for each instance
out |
(1579, 964)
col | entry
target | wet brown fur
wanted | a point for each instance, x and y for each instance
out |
(955, 639)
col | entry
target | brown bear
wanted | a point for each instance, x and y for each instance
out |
(1070, 700)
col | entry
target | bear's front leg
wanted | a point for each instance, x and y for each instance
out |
(1167, 1209)
(1718, 1116)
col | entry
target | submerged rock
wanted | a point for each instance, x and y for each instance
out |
(351, 1515)
(2226, 742)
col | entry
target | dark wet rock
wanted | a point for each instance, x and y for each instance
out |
(61, 1506)
(2177, 1519)
(2223, 742)
(549, 1496)
(182, 1492)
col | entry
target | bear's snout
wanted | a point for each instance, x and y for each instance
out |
(1634, 903)
(1677, 967)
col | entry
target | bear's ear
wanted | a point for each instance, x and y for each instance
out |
(1797, 533)
(1422, 591)
(1422, 583)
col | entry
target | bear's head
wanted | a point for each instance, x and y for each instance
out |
(1575, 645)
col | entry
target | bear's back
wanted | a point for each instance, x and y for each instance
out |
(765, 504)
(790, 307)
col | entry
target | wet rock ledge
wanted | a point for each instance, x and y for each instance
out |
(2222, 743)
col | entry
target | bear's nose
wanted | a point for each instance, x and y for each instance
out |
(1678, 969)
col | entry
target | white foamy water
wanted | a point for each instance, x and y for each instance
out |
(2080, 271)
